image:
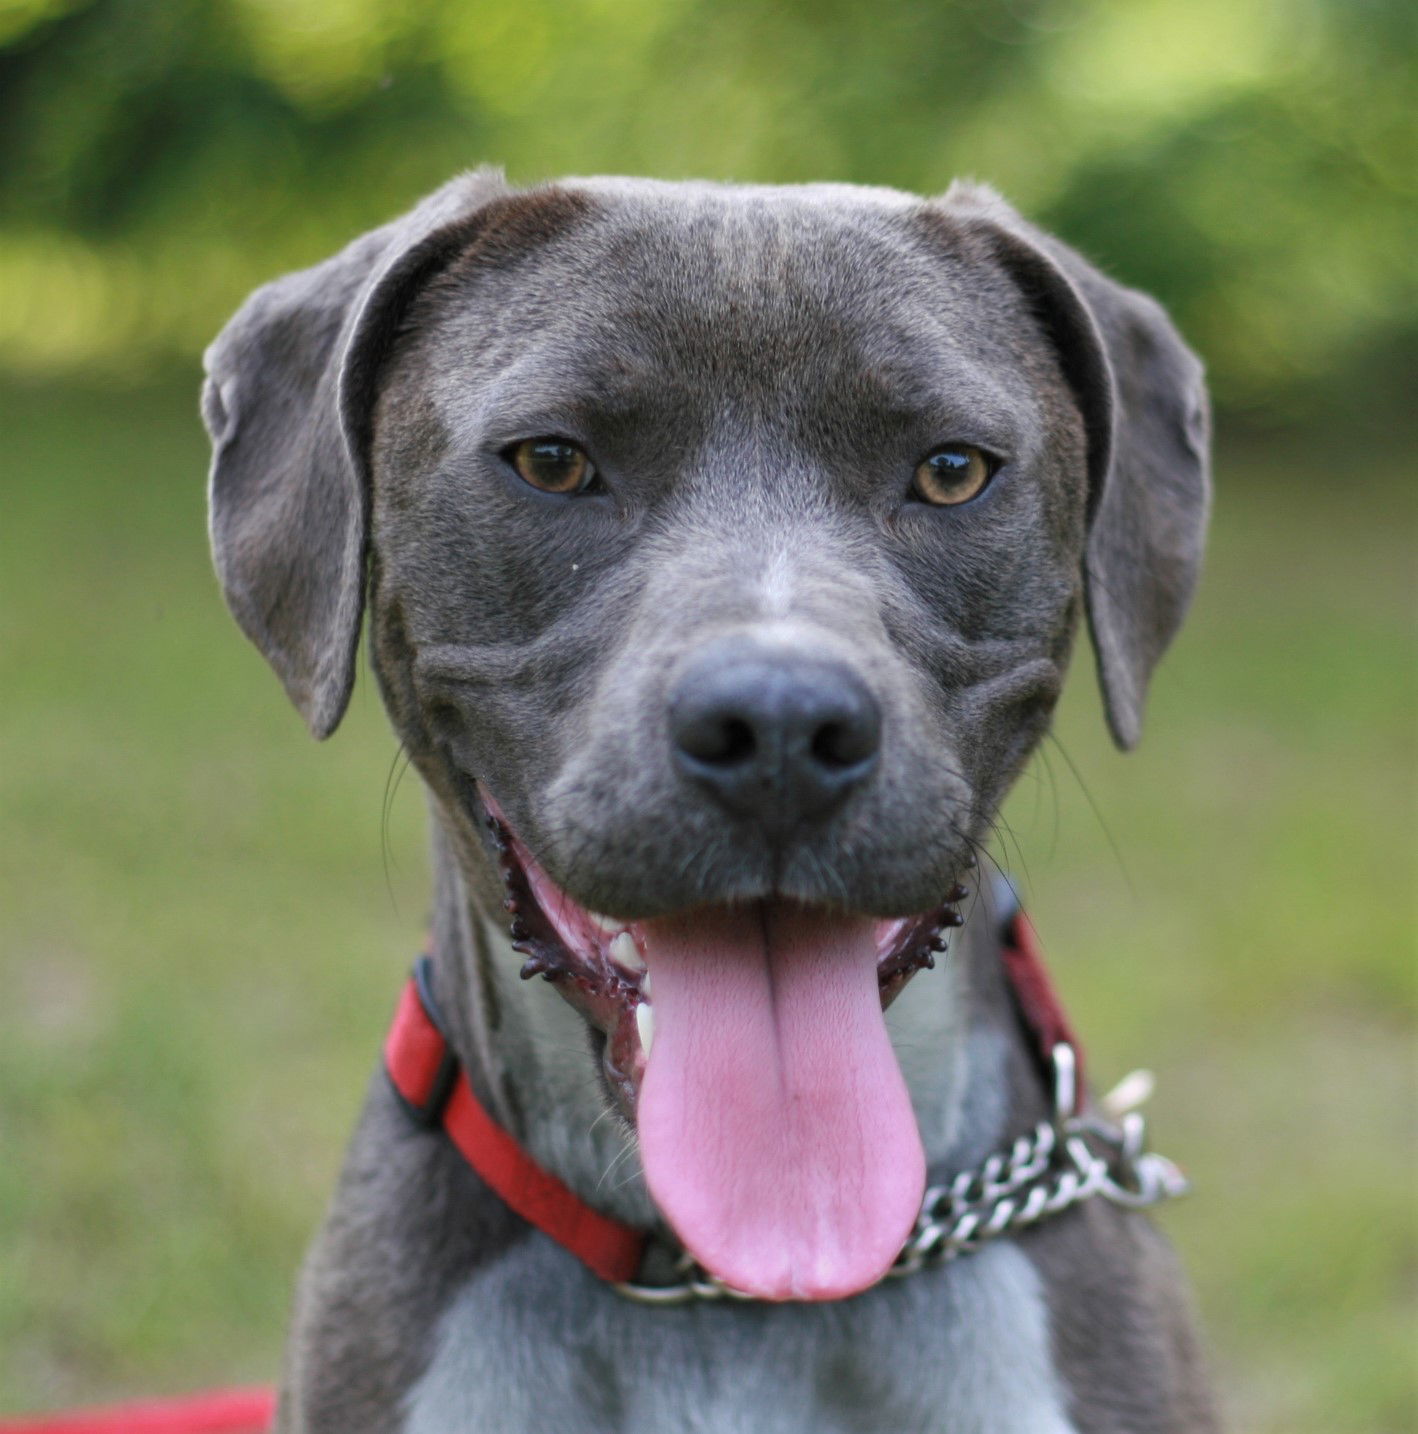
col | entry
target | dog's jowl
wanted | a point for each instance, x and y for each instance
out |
(721, 551)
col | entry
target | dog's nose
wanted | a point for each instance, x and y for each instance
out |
(777, 738)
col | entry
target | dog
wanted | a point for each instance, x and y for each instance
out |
(722, 549)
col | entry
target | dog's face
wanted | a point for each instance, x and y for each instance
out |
(737, 397)
(725, 550)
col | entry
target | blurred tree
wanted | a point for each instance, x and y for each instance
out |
(1251, 161)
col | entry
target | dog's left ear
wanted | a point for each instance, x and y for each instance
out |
(1141, 392)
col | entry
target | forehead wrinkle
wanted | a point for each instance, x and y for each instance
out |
(549, 380)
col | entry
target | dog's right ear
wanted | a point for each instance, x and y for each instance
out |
(286, 401)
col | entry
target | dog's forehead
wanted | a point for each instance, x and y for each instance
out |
(849, 295)
(777, 258)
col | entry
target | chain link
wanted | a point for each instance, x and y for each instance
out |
(1063, 1161)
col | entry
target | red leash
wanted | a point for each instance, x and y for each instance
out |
(222, 1411)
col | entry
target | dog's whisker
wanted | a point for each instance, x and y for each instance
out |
(391, 787)
(1097, 813)
(619, 1159)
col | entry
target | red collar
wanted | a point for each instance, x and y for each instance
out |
(435, 1090)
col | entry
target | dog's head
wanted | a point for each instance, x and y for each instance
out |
(723, 550)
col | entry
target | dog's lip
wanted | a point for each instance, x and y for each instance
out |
(597, 961)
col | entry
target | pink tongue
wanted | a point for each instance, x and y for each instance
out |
(775, 1127)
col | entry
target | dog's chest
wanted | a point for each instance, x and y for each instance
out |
(532, 1342)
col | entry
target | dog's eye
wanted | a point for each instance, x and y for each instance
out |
(953, 474)
(552, 464)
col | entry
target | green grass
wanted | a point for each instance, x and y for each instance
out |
(200, 942)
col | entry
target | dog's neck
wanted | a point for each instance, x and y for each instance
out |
(531, 1058)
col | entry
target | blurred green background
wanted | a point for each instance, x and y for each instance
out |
(204, 918)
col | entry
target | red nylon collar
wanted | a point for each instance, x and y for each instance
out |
(1038, 1004)
(435, 1091)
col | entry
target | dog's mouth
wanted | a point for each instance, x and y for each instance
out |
(746, 1044)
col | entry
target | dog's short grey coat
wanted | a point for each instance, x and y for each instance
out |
(757, 372)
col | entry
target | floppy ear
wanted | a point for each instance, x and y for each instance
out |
(1141, 392)
(287, 400)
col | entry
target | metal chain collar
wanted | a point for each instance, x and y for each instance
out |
(1063, 1161)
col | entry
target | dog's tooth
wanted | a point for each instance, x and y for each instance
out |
(645, 985)
(627, 953)
(645, 1026)
(606, 925)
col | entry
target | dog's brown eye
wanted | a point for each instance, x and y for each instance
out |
(552, 465)
(953, 474)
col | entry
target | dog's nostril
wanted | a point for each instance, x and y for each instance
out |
(737, 742)
(845, 744)
(715, 739)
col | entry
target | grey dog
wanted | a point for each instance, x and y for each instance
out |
(722, 549)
